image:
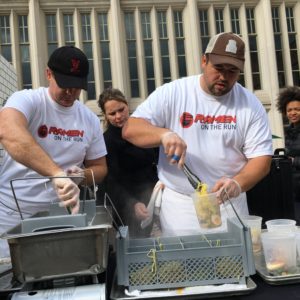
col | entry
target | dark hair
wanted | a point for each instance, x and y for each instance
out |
(110, 94)
(287, 95)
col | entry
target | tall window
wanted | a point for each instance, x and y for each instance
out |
(278, 46)
(235, 21)
(219, 20)
(203, 20)
(5, 38)
(69, 30)
(253, 48)
(131, 50)
(88, 50)
(293, 45)
(147, 41)
(24, 52)
(164, 46)
(105, 53)
(179, 36)
(235, 27)
(51, 33)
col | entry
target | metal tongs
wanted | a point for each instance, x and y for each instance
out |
(192, 178)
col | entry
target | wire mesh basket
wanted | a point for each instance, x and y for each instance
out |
(181, 261)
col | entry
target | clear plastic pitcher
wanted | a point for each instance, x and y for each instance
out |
(207, 210)
(280, 252)
(254, 223)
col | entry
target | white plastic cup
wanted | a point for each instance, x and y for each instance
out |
(297, 237)
(208, 210)
(281, 225)
(279, 252)
(254, 223)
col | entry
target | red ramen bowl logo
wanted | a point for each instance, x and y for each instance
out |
(186, 120)
(43, 131)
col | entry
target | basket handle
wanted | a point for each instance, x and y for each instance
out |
(115, 224)
(35, 178)
(234, 210)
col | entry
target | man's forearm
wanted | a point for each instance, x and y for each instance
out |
(142, 134)
(95, 171)
(254, 171)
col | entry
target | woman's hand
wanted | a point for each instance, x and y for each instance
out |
(141, 211)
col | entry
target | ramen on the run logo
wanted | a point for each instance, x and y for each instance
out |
(43, 131)
(186, 120)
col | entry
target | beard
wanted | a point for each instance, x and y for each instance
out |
(219, 89)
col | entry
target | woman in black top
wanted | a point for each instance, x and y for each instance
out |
(289, 105)
(132, 172)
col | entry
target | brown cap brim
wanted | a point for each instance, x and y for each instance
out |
(224, 59)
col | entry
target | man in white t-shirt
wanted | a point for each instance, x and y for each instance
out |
(211, 123)
(47, 132)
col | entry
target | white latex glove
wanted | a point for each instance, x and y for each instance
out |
(75, 171)
(228, 188)
(67, 192)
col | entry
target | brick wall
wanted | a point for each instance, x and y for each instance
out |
(8, 85)
(8, 80)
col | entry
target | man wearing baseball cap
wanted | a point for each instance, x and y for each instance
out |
(47, 132)
(216, 127)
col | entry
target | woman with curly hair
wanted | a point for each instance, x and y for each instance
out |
(289, 105)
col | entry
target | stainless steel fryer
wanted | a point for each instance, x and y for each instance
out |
(55, 244)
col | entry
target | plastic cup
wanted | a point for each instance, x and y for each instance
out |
(297, 237)
(281, 225)
(254, 223)
(280, 252)
(208, 210)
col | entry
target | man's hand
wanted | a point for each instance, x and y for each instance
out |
(175, 147)
(76, 174)
(67, 191)
(227, 188)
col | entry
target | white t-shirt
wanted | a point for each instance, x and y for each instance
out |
(221, 133)
(69, 135)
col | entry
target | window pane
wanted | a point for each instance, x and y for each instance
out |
(131, 50)
(178, 23)
(133, 68)
(106, 70)
(166, 67)
(252, 39)
(105, 50)
(87, 45)
(69, 29)
(5, 39)
(164, 47)
(148, 48)
(6, 53)
(149, 67)
(254, 62)
(24, 52)
(256, 82)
